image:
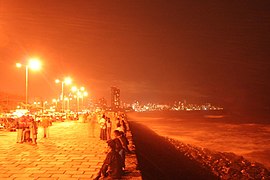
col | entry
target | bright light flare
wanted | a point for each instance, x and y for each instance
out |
(68, 80)
(85, 93)
(34, 64)
(18, 65)
(74, 89)
(57, 81)
(82, 88)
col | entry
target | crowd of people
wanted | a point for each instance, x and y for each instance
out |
(114, 164)
(27, 128)
(112, 129)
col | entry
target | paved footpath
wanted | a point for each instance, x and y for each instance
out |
(69, 152)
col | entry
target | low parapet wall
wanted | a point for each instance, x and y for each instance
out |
(132, 171)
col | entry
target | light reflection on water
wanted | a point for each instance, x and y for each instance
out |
(251, 140)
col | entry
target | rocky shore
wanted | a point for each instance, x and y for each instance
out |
(165, 158)
(222, 164)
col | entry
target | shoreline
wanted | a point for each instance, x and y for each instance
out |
(166, 158)
(159, 159)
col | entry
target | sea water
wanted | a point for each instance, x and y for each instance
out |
(218, 131)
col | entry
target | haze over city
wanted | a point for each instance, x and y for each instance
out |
(154, 51)
(157, 89)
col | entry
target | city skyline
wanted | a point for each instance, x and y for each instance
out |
(153, 51)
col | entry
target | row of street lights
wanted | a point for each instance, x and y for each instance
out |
(66, 81)
(77, 93)
(35, 65)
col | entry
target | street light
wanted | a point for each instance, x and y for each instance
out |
(84, 94)
(79, 93)
(66, 81)
(55, 101)
(74, 89)
(68, 99)
(33, 64)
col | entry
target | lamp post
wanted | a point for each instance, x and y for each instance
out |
(84, 94)
(33, 64)
(79, 93)
(66, 81)
(74, 89)
(68, 102)
(55, 101)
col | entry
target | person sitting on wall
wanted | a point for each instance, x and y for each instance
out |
(112, 165)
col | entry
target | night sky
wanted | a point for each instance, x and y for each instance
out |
(158, 51)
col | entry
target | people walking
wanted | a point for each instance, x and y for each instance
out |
(109, 128)
(33, 131)
(20, 127)
(92, 121)
(103, 131)
(45, 124)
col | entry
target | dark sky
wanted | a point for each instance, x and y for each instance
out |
(202, 51)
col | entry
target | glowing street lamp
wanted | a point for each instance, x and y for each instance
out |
(76, 91)
(68, 102)
(33, 64)
(66, 81)
(55, 101)
(84, 94)
(79, 93)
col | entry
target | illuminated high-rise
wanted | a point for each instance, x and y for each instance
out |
(115, 98)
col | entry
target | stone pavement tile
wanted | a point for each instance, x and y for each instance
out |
(53, 162)
(79, 176)
(2, 171)
(55, 171)
(44, 165)
(37, 171)
(69, 168)
(42, 162)
(32, 168)
(20, 175)
(46, 169)
(84, 166)
(40, 175)
(90, 172)
(5, 175)
(61, 176)
(76, 157)
(83, 169)
(74, 172)
(11, 171)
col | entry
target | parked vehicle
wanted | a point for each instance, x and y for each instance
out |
(9, 124)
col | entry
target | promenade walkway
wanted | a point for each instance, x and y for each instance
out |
(69, 152)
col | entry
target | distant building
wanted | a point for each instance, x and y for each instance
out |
(115, 98)
(102, 103)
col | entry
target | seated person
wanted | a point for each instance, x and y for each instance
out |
(112, 166)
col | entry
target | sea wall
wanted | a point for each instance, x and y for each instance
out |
(131, 171)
